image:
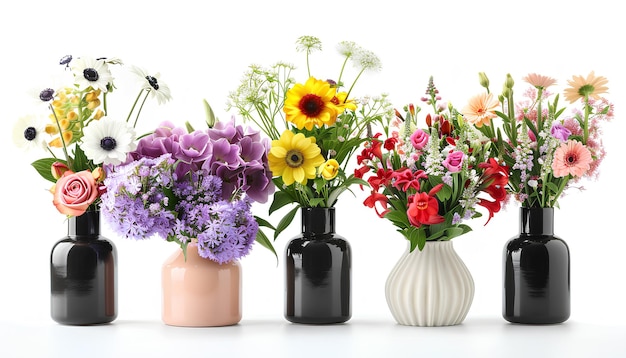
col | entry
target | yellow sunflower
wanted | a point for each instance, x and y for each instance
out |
(581, 87)
(311, 104)
(294, 157)
(342, 102)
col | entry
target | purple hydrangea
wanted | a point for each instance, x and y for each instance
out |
(192, 186)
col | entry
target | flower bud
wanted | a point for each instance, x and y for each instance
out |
(330, 169)
(58, 169)
(506, 92)
(98, 174)
(483, 80)
(509, 81)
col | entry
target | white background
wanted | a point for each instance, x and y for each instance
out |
(202, 50)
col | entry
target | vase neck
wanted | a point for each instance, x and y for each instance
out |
(84, 226)
(537, 221)
(318, 220)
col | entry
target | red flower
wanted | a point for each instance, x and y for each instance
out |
(359, 172)
(424, 208)
(374, 198)
(494, 181)
(371, 151)
(382, 178)
(405, 179)
(390, 143)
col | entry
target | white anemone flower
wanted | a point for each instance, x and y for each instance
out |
(153, 85)
(89, 72)
(29, 131)
(108, 141)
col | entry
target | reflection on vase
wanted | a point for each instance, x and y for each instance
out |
(199, 292)
(318, 271)
(536, 271)
(83, 274)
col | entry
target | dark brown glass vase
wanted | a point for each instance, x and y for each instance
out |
(536, 272)
(318, 271)
(83, 274)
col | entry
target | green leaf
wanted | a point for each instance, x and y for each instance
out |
(285, 221)
(416, 237)
(264, 223)
(316, 201)
(189, 127)
(210, 115)
(44, 167)
(398, 218)
(81, 162)
(264, 241)
(281, 199)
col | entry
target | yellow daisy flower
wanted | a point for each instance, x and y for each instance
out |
(311, 104)
(581, 87)
(342, 102)
(294, 157)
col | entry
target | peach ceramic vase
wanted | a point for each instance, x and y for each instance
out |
(199, 292)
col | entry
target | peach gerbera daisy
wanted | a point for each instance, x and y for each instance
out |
(539, 81)
(581, 87)
(572, 157)
(481, 109)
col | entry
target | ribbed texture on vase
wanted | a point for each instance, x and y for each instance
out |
(432, 287)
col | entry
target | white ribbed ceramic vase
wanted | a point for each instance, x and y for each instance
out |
(432, 287)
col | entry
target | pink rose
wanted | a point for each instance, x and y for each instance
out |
(74, 192)
(419, 139)
(454, 161)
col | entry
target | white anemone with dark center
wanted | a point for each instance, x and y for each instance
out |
(108, 141)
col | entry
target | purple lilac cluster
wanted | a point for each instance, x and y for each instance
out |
(225, 229)
(136, 201)
(199, 185)
(231, 152)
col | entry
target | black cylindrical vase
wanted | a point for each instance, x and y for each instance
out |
(536, 272)
(318, 271)
(83, 274)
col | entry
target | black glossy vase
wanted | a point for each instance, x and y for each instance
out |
(318, 271)
(83, 274)
(536, 272)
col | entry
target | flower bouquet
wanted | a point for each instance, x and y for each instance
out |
(194, 188)
(428, 181)
(81, 126)
(82, 135)
(315, 127)
(548, 149)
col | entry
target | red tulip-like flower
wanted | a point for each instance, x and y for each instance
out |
(424, 208)
(494, 181)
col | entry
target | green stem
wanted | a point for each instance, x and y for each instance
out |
(56, 119)
(140, 108)
(343, 66)
(539, 111)
(132, 109)
(586, 120)
(354, 82)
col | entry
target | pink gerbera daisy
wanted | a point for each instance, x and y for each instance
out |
(539, 81)
(572, 157)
